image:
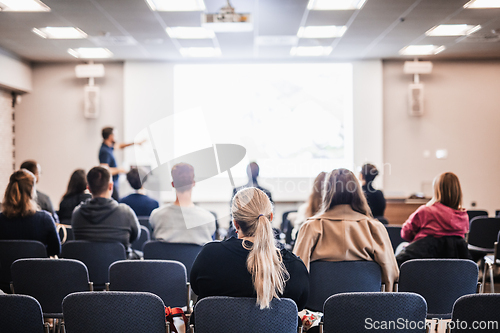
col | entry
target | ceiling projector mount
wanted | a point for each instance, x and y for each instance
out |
(91, 92)
(416, 89)
(227, 20)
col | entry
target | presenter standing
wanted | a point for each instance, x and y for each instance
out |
(107, 157)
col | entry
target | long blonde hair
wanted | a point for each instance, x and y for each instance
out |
(447, 191)
(252, 210)
(19, 199)
(315, 199)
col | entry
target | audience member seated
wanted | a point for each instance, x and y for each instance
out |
(182, 221)
(75, 194)
(102, 219)
(344, 230)
(312, 206)
(375, 197)
(251, 265)
(42, 199)
(138, 201)
(20, 217)
(437, 229)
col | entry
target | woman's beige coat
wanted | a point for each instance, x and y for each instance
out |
(342, 234)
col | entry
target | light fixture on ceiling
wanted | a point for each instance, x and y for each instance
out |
(60, 33)
(227, 20)
(90, 53)
(335, 4)
(325, 31)
(23, 6)
(311, 51)
(453, 30)
(190, 33)
(483, 4)
(421, 49)
(176, 5)
(201, 52)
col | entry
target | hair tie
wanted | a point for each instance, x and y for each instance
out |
(260, 215)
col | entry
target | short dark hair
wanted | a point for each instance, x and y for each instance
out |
(253, 170)
(369, 172)
(31, 166)
(134, 178)
(106, 132)
(98, 180)
(182, 176)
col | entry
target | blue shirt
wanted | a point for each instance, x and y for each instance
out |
(141, 204)
(106, 156)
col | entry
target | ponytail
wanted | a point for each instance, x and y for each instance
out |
(19, 195)
(264, 261)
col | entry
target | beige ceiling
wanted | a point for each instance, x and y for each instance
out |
(133, 32)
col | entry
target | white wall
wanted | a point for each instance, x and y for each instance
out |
(461, 115)
(51, 128)
(15, 74)
(6, 136)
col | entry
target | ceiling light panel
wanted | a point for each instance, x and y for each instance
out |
(190, 33)
(453, 30)
(23, 6)
(60, 33)
(325, 31)
(335, 4)
(176, 5)
(483, 4)
(310, 51)
(90, 53)
(421, 50)
(200, 52)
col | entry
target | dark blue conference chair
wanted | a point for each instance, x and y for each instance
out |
(328, 278)
(145, 236)
(492, 261)
(475, 213)
(395, 236)
(212, 315)
(21, 314)
(478, 309)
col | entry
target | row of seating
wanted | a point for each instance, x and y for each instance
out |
(124, 312)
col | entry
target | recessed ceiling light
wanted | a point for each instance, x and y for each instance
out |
(335, 4)
(176, 5)
(60, 33)
(483, 4)
(190, 33)
(200, 52)
(453, 30)
(325, 31)
(23, 6)
(310, 51)
(421, 50)
(90, 52)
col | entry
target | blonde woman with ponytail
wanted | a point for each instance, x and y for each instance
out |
(251, 265)
(20, 217)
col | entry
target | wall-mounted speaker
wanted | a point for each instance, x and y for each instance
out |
(91, 101)
(416, 99)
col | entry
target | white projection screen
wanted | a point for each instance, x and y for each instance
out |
(293, 119)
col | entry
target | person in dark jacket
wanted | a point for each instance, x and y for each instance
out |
(375, 197)
(138, 201)
(75, 194)
(101, 218)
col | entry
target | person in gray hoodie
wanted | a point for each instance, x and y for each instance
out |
(102, 219)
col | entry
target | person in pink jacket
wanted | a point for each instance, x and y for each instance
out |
(437, 229)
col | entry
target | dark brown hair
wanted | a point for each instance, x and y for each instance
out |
(106, 132)
(369, 172)
(316, 198)
(31, 166)
(183, 177)
(77, 183)
(447, 190)
(134, 178)
(341, 187)
(19, 195)
(98, 180)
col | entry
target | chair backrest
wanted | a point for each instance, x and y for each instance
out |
(328, 278)
(144, 220)
(286, 226)
(478, 309)
(483, 232)
(182, 252)
(357, 312)
(96, 256)
(20, 314)
(49, 281)
(474, 213)
(394, 235)
(113, 312)
(164, 278)
(143, 238)
(440, 281)
(212, 315)
(11, 250)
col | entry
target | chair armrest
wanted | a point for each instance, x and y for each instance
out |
(91, 286)
(396, 287)
(321, 327)
(495, 257)
(479, 289)
(107, 286)
(12, 288)
(189, 308)
(46, 327)
(191, 328)
(466, 237)
(382, 287)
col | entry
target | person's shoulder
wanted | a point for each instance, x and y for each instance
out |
(43, 216)
(291, 260)
(42, 196)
